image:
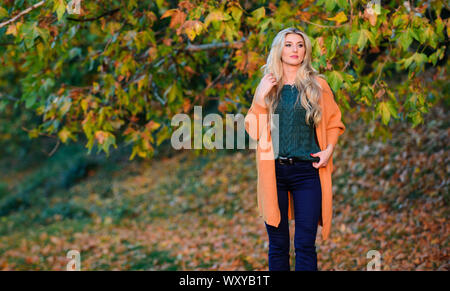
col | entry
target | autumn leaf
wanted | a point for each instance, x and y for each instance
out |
(339, 18)
(177, 17)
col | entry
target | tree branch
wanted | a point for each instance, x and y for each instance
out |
(322, 25)
(26, 11)
(9, 97)
(58, 142)
(111, 12)
(212, 46)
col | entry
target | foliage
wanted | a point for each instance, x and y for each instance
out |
(120, 70)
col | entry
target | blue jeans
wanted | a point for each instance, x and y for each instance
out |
(302, 179)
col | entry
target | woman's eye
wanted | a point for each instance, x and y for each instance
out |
(288, 45)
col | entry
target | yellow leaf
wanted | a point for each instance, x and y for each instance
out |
(100, 136)
(152, 125)
(64, 134)
(95, 87)
(84, 104)
(193, 28)
(169, 13)
(60, 8)
(12, 29)
(216, 15)
(259, 13)
(339, 18)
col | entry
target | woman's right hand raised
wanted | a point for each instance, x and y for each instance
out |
(264, 87)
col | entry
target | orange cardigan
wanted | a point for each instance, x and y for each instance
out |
(328, 130)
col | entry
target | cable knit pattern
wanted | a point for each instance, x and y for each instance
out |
(296, 138)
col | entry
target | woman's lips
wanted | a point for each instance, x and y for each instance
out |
(295, 57)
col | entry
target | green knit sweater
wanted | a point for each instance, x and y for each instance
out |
(296, 138)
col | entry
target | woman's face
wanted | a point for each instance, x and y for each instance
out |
(293, 49)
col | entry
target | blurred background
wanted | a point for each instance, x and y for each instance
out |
(88, 90)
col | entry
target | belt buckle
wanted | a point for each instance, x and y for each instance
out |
(285, 160)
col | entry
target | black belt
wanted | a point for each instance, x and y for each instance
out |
(289, 161)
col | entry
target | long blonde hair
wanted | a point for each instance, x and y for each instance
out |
(305, 79)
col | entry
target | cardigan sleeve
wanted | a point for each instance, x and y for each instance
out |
(335, 127)
(256, 120)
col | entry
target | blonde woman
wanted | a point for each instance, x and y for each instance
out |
(295, 184)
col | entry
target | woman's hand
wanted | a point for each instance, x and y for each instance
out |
(264, 87)
(324, 157)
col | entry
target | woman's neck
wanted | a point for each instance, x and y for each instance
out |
(289, 73)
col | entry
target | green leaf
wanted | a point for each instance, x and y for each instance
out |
(44, 34)
(216, 15)
(3, 12)
(405, 40)
(230, 31)
(415, 62)
(29, 33)
(330, 4)
(385, 113)
(400, 20)
(236, 13)
(65, 107)
(362, 40)
(162, 135)
(171, 93)
(392, 109)
(131, 4)
(354, 36)
(335, 78)
(438, 54)
(60, 8)
(265, 23)
(109, 141)
(30, 100)
(367, 95)
(431, 36)
(259, 13)
(342, 4)
(416, 118)
(160, 3)
(439, 26)
(414, 33)
(76, 51)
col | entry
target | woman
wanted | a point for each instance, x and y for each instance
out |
(294, 182)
